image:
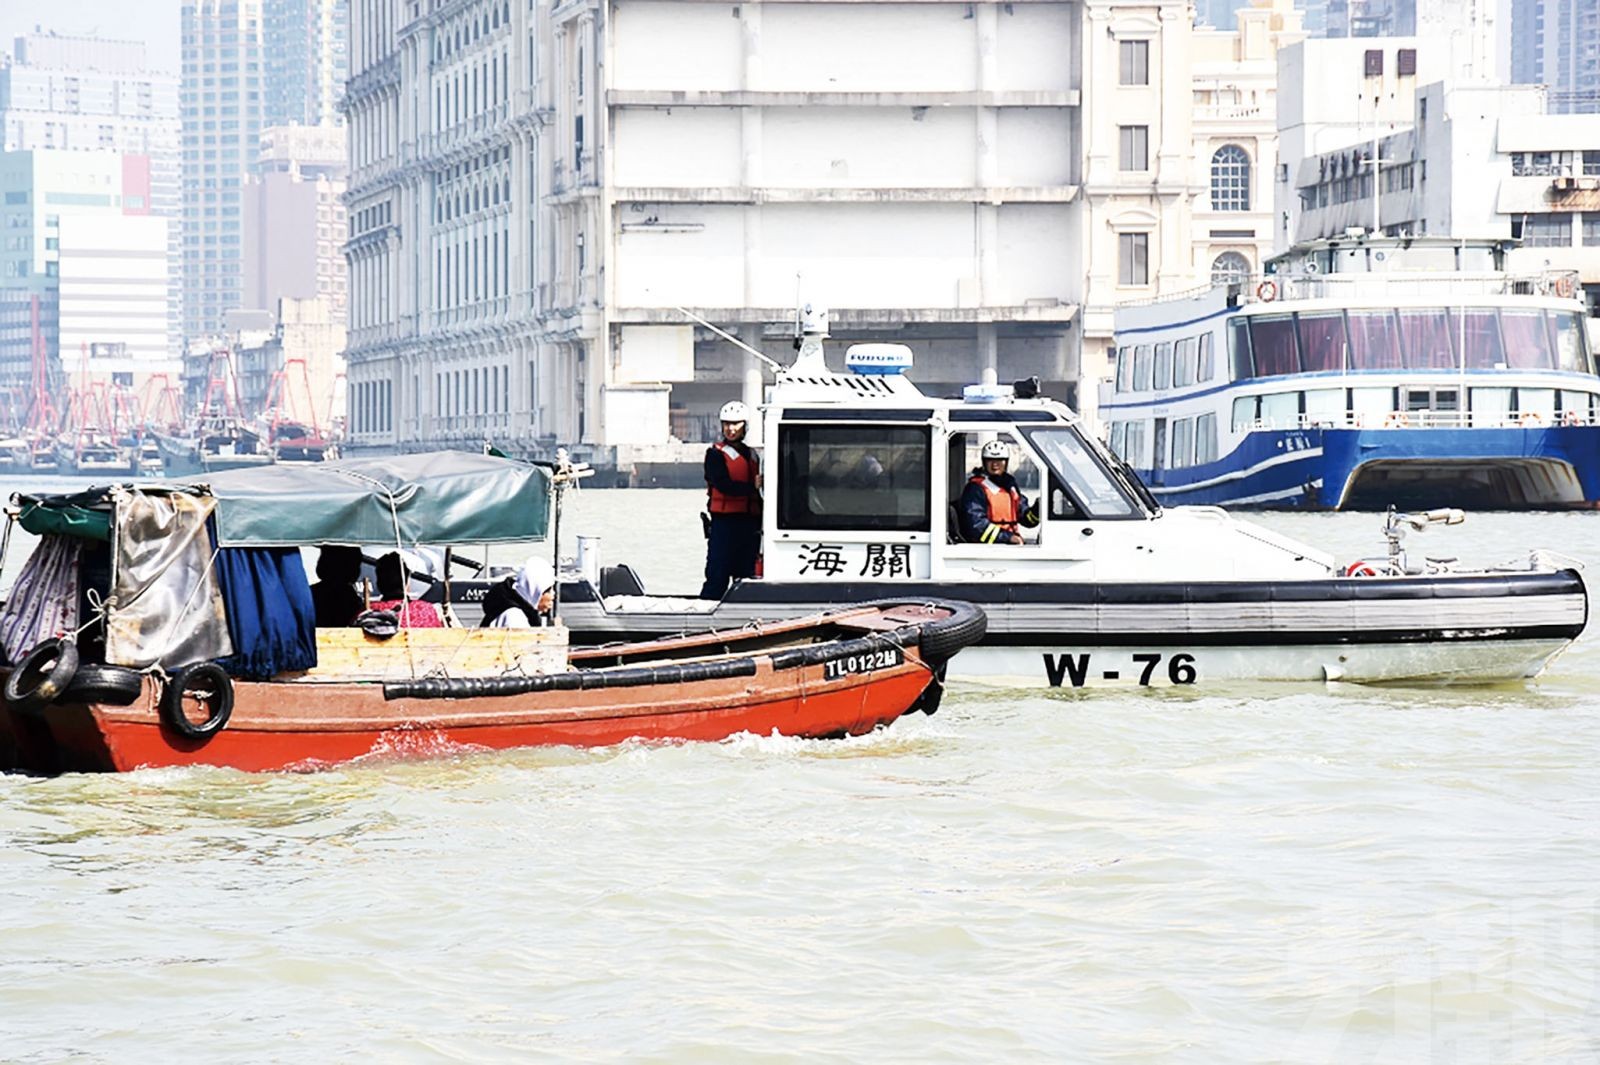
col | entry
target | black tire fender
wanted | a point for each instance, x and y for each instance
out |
(203, 677)
(966, 625)
(42, 675)
(111, 685)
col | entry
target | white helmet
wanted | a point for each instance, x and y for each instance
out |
(996, 449)
(734, 411)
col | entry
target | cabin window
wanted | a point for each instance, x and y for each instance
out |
(1124, 368)
(1374, 343)
(1239, 356)
(1322, 341)
(1119, 437)
(1371, 406)
(1281, 411)
(1528, 345)
(1205, 439)
(1183, 363)
(1575, 408)
(1273, 344)
(1182, 443)
(1325, 407)
(1141, 368)
(1245, 410)
(1163, 368)
(854, 477)
(1571, 350)
(1134, 456)
(1490, 406)
(1539, 403)
(1207, 366)
(1425, 339)
(1076, 467)
(1479, 333)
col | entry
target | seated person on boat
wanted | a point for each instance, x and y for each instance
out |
(992, 507)
(523, 601)
(334, 595)
(413, 613)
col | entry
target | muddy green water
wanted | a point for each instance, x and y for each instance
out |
(1249, 874)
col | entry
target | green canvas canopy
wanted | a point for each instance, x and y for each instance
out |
(442, 497)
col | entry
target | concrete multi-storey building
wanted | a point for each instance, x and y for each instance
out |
(1556, 43)
(540, 192)
(83, 268)
(90, 94)
(247, 65)
(294, 219)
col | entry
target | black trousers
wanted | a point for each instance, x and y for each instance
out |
(731, 552)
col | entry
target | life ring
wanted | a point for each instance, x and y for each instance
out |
(42, 675)
(1397, 420)
(1267, 291)
(1530, 419)
(1563, 287)
(1361, 568)
(210, 684)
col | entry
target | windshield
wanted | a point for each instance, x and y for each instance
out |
(1096, 492)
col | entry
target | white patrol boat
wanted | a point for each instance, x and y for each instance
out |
(863, 473)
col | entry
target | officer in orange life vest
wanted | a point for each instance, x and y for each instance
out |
(733, 496)
(991, 507)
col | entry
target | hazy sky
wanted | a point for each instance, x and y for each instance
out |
(154, 22)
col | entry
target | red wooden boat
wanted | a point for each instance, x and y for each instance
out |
(841, 673)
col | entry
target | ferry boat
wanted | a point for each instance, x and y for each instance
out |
(863, 473)
(1360, 375)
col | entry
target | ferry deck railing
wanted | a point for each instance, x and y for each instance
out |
(1422, 419)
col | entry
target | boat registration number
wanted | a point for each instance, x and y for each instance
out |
(1148, 668)
(865, 662)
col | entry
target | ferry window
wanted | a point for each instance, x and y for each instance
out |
(1575, 408)
(1272, 341)
(1119, 436)
(854, 477)
(1134, 456)
(1371, 406)
(1571, 353)
(1282, 410)
(1374, 343)
(1491, 406)
(1426, 339)
(1325, 407)
(1096, 494)
(1207, 365)
(1528, 345)
(1182, 443)
(1205, 439)
(1480, 333)
(1124, 368)
(1141, 368)
(1245, 413)
(1537, 403)
(1163, 377)
(1183, 363)
(1239, 348)
(1322, 341)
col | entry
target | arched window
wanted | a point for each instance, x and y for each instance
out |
(1230, 179)
(1229, 266)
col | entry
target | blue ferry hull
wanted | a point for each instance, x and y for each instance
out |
(1328, 469)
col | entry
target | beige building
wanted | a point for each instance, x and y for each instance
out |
(294, 220)
(307, 348)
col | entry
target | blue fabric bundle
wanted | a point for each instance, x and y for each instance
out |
(270, 614)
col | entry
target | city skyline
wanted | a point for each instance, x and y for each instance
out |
(127, 22)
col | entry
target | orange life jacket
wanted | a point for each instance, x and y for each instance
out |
(1005, 504)
(741, 470)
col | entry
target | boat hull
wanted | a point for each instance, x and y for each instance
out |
(1535, 467)
(1472, 629)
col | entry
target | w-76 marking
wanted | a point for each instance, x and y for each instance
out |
(1075, 668)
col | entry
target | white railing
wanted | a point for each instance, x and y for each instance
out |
(1420, 419)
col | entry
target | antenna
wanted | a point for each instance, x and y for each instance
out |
(730, 338)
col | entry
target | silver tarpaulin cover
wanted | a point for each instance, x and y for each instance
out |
(167, 605)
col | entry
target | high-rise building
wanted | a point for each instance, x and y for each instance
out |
(1556, 43)
(247, 65)
(89, 94)
(294, 219)
(83, 267)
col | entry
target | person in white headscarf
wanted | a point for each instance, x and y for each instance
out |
(522, 601)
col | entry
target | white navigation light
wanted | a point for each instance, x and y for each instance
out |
(986, 393)
(880, 360)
